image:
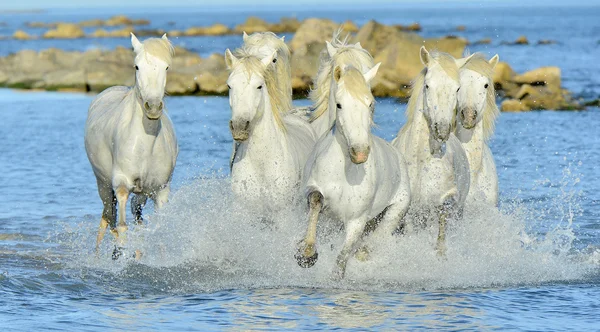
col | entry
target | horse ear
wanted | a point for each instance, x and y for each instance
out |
(135, 43)
(282, 38)
(494, 61)
(269, 59)
(330, 49)
(358, 45)
(245, 36)
(337, 73)
(425, 57)
(370, 75)
(230, 59)
(469, 57)
(164, 37)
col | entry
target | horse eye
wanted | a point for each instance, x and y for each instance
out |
(275, 60)
(459, 89)
(228, 87)
(137, 68)
(339, 106)
(426, 86)
(259, 87)
(486, 85)
(167, 68)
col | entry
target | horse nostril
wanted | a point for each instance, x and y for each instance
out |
(146, 106)
(462, 114)
(474, 114)
(230, 125)
(247, 125)
(160, 106)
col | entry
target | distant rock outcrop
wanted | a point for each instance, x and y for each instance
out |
(536, 89)
(397, 50)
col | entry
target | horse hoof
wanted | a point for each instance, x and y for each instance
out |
(117, 252)
(306, 262)
(362, 254)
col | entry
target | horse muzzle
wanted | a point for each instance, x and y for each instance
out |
(359, 155)
(441, 132)
(468, 118)
(240, 130)
(153, 110)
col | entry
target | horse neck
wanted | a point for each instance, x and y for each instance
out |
(137, 118)
(473, 142)
(420, 142)
(266, 132)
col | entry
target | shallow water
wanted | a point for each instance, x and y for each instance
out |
(209, 262)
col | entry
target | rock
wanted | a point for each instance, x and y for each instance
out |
(315, 32)
(91, 23)
(118, 20)
(213, 30)
(522, 40)
(65, 31)
(175, 33)
(513, 105)
(398, 52)
(349, 26)
(412, 27)
(100, 33)
(286, 24)
(503, 75)
(21, 35)
(143, 32)
(484, 41)
(253, 24)
(461, 28)
(546, 42)
(544, 76)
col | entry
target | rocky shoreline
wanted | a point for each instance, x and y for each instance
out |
(396, 48)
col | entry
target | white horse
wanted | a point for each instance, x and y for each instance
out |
(130, 141)
(337, 53)
(437, 163)
(477, 112)
(353, 174)
(266, 167)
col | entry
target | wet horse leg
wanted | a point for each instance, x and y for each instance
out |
(108, 213)
(306, 253)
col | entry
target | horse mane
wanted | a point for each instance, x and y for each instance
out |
(479, 64)
(448, 64)
(160, 48)
(277, 96)
(262, 44)
(345, 55)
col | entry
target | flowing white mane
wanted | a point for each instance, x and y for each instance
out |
(479, 64)
(277, 96)
(261, 45)
(353, 55)
(448, 64)
(160, 48)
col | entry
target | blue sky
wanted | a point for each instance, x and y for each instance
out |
(43, 4)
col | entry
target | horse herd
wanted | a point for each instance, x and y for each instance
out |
(325, 154)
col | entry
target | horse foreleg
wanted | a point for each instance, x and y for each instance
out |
(354, 230)
(306, 254)
(162, 197)
(389, 223)
(108, 213)
(138, 202)
(441, 239)
(122, 194)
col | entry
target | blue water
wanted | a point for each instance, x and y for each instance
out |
(208, 263)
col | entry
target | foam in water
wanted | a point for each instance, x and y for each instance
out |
(206, 240)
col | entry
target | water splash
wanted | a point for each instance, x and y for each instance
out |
(206, 240)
